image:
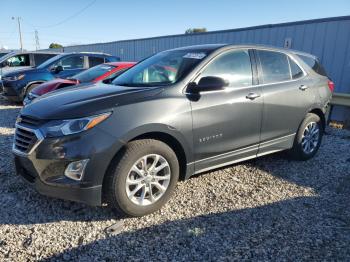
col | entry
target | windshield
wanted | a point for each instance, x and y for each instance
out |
(162, 69)
(48, 62)
(92, 73)
(4, 57)
(2, 54)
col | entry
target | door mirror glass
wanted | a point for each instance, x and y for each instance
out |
(208, 83)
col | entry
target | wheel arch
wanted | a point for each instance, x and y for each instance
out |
(320, 113)
(172, 139)
(32, 83)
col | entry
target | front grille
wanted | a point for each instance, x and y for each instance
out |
(27, 120)
(24, 139)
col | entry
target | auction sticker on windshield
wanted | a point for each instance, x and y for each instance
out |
(195, 55)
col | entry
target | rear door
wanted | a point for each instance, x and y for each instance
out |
(287, 97)
(95, 60)
(226, 124)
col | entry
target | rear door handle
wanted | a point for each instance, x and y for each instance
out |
(252, 96)
(303, 87)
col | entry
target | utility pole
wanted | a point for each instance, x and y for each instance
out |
(19, 31)
(37, 44)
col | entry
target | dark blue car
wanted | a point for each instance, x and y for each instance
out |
(18, 83)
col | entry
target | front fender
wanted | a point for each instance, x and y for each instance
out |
(163, 129)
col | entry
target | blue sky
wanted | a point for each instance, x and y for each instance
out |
(89, 21)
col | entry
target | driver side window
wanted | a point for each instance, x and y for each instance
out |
(233, 66)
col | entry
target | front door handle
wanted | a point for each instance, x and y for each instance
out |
(252, 96)
(303, 87)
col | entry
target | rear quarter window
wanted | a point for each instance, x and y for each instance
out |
(314, 64)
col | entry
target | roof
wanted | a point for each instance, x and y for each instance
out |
(210, 47)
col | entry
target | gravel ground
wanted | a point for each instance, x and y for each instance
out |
(270, 208)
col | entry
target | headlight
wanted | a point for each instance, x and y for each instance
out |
(14, 78)
(73, 126)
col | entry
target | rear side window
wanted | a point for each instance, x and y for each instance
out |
(275, 66)
(72, 62)
(94, 61)
(233, 66)
(18, 60)
(111, 59)
(41, 58)
(314, 64)
(295, 70)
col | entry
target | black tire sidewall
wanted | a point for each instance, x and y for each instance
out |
(123, 168)
(297, 147)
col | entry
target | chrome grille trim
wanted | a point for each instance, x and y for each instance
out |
(26, 140)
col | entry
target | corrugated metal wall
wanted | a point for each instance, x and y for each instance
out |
(328, 38)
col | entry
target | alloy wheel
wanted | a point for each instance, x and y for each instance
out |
(310, 137)
(148, 179)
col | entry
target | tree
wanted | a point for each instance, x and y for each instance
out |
(55, 45)
(196, 30)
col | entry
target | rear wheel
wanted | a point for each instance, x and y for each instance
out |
(143, 178)
(308, 138)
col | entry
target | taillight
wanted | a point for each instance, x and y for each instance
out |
(331, 85)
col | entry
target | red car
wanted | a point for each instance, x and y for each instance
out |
(103, 72)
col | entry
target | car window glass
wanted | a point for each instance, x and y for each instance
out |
(41, 58)
(18, 60)
(295, 69)
(275, 67)
(314, 64)
(93, 73)
(72, 62)
(164, 68)
(114, 75)
(233, 66)
(94, 61)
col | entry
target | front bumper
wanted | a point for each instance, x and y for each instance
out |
(44, 166)
(90, 195)
(10, 90)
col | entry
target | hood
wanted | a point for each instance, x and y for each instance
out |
(52, 85)
(8, 69)
(25, 70)
(84, 100)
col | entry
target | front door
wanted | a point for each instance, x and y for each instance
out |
(226, 123)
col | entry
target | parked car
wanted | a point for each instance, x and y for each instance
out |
(3, 53)
(178, 113)
(17, 84)
(19, 60)
(103, 72)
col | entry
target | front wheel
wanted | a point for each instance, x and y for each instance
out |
(308, 138)
(143, 178)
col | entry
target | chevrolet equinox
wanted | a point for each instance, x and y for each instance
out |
(178, 113)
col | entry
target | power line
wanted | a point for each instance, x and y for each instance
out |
(66, 19)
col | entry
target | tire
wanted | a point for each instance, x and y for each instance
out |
(117, 191)
(29, 88)
(299, 150)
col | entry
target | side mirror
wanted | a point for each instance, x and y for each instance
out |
(57, 69)
(207, 83)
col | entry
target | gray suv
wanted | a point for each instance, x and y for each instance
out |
(178, 113)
